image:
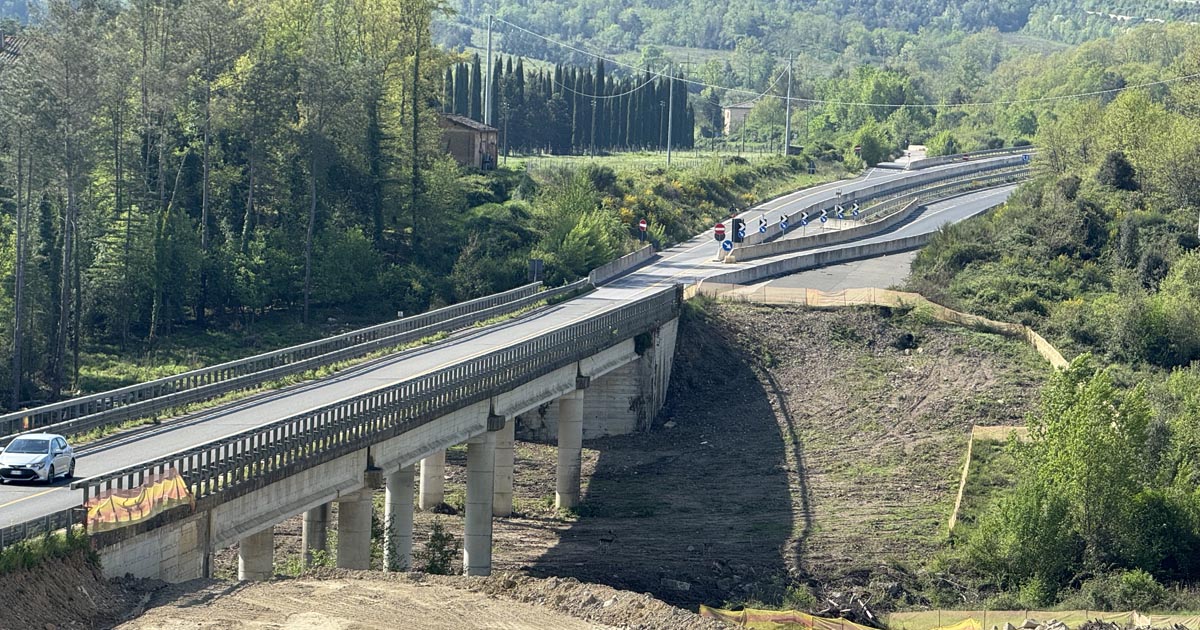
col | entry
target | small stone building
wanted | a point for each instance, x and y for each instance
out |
(472, 143)
(735, 115)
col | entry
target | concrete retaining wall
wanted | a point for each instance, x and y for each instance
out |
(819, 259)
(626, 263)
(783, 246)
(175, 552)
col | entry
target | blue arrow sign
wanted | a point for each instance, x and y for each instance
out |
(803, 222)
(762, 229)
(1025, 158)
(841, 213)
(727, 245)
(742, 233)
(824, 219)
(783, 225)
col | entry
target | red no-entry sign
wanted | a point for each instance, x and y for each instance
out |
(719, 231)
(642, 225)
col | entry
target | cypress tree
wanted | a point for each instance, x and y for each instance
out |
(462, 89)
(448, 91)
(476, 100)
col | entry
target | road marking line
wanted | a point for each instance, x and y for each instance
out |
(28, 497)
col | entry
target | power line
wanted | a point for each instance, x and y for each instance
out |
(601, 96)
(819, 101)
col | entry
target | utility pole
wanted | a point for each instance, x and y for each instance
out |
(487, 82)
(787, 121)
(593, 138)
(670, 113)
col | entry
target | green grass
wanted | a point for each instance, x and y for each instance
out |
(30, 553)
(993, 474)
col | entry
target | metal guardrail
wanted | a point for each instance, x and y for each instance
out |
(113, 407)
(49, 523)
(927, 162)
(223, 469)
(943, 187)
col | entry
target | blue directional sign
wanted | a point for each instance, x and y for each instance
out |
(1025, 158)
(841, 212)
(803, 222)
(762, 229)
(783, 224)
(742, 233)
(854, 211)
(727, 245)
(824, 219)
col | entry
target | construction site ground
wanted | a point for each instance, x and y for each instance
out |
(800, 453)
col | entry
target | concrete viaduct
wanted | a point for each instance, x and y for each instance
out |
(611, 379)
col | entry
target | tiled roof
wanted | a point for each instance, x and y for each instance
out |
(467, 122)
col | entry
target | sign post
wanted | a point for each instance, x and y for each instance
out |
(642, 225)
(719, 235)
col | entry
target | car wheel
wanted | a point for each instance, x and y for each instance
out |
(50, 476)
(71, 470)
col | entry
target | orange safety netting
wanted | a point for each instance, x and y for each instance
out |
(778, 619)
(118, 508)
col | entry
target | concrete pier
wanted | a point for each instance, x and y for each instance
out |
(398, 520)
(433, 480)
(477, 538)
(502, 500)
(256, 556)
(570, 449)
(354, 531)
(314, 536)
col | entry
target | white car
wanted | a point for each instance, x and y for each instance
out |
(37, 457)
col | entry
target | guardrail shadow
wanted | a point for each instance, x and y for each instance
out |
(699, 510)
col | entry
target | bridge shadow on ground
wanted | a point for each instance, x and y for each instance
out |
(700, 510)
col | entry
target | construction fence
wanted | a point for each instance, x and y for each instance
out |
(814, 298)
(986, 619)
(778, 619)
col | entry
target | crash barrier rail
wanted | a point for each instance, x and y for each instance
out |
(39, 526)
(229, 467)
(79, 415)
(611, 270)
(948, 188)
(910, 203)
(982, 619)
(880, 190)
(962, 157)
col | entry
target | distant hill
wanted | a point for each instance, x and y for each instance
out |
(864, 27)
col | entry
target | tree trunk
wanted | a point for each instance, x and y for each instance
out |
(416, 144)
(19, 276)
(248, 219)
(202, 304)
(312, 220)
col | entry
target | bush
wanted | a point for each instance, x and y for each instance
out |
(440, 550)
(1127, 590)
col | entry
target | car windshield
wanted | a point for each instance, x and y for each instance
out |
(28, 446)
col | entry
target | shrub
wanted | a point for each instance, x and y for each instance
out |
(440, 550)
(1127, 590)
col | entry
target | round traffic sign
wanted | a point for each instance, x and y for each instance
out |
(642, 225)
(719, 228)
(783, 225)
(824, 219)
(762, 229)
(727, 245)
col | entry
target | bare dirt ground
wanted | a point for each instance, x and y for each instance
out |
(338, 599)
(798, 450)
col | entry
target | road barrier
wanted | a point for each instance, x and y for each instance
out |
(962, 157)
(79, 415)
(40, 526)
(611, 270)
(235, 465)
(912, 203)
